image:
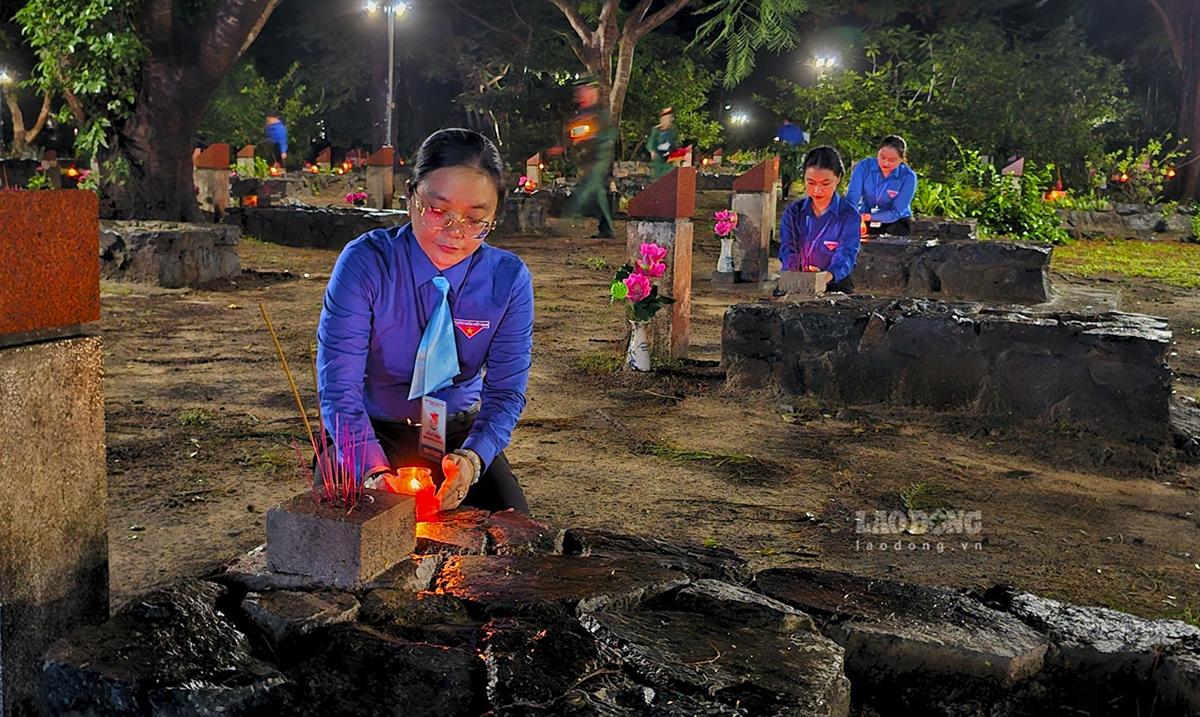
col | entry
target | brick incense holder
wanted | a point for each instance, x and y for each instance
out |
(321, 541)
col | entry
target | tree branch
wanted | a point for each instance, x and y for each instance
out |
(43, 115)
(258, 26)
(578, 24)
(160, 21)
(1172, 36)
(642, 27)
(232, 23)
(485, 23)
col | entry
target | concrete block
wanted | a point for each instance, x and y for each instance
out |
(53, 522)
(755, 228)
(800, 285)
(672, 326)
(338, 548)
(49, 277)
(380, 187)
(170, 254)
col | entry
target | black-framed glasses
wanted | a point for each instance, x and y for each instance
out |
(436, 218)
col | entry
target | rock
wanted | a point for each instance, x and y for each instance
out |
(924, 228)
(251, 573)
(170, 652)
(765, 671)
(168, 254)
(1097, 642)
(1105, 373)
(412, 575)
(451, 538)
(694, 561)
(976, 271)
(1185, 429)
(1177, 681)
(552, 584)
(535, 661)
(359, 671)
(511, 532)
(312, 227)
(525, 213)
(738, 605)
(896, 631)
(285, 615)
(421, 617)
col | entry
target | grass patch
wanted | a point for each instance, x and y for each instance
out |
(740, 469)
(924, 496)
(599, 363)
(1172, 263)
(108, 288)
(195, 417)
(1191, 615)
(596, 263)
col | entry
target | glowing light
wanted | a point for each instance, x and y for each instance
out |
(4, 78)
(250, 201)
(739, 118)
(72, 172)
(581, 130)
(340, 170)
(1123, 178)
(1171, 173)
(541, 166)
(347, 166)
(371, 7)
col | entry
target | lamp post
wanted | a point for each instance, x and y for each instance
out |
(4, 80)
(391, 10)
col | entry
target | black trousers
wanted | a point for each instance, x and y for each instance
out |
(846, 285)
(497, 488)
(898, 228)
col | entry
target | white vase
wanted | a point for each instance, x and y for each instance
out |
(725, 261)
(637, 357)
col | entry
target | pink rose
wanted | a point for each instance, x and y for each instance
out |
(652, 253)
(654, 270)
(638, 285)
(723, 228)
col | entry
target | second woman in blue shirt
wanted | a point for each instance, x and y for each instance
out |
(882, 188)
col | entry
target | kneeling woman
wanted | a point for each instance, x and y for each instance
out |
(427, 313)
(882, 188)
(821, 231)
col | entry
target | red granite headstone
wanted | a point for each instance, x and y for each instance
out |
(760, 178)
(672, 196)
(246, 152)
(534, 161)
(382, 157)
(215, 156)
(49, 259)
(324, 156)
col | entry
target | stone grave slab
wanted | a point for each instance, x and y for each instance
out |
(339, 548)
(511, 532)
(551, 584)
(695, 561)
(168, 254)
(892, 631)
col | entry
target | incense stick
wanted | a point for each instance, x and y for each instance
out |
(291, 381)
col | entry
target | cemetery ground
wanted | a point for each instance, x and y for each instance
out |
(200, 425)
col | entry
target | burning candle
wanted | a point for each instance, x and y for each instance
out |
(417, 482)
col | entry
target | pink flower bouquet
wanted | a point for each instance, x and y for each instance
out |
(634, 284)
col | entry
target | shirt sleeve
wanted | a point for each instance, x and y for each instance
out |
(902, 204)
(343, 340)
(508, 360)
(791, 239)
(849, 237)
(854, 192)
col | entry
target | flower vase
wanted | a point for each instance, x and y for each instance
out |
(637, 357)
(725, 261)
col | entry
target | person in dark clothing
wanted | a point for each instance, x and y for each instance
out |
(591, 131)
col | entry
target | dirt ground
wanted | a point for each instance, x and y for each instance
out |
(200, 424)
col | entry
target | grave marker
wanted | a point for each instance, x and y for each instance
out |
(661, 214)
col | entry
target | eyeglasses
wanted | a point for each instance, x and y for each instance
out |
(436, 218)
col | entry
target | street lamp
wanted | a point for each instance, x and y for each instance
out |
(739, 118)
(4, 80)
(824, 63)
(392, 10)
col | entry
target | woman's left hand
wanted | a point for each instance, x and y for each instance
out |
(827, 276)
(460, 475)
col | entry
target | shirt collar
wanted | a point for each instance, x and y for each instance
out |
(423, 269)
(832, 209)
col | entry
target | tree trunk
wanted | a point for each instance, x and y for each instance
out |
(185, 66)
(1181, 21)
(23, 137)
(157, 141)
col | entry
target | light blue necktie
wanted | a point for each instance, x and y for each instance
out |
(437, 356)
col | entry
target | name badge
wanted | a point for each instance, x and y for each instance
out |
(876, 225)
(433, 428)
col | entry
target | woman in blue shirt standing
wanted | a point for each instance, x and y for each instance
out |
(821, 231)
(882, 189)
(426, 321)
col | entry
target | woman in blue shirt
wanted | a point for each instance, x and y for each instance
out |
(882, 189)
(821, 231)
(385, 339)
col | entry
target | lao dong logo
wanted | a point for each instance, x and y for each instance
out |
(918, 522)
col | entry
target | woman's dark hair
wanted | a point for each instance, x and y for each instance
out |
(897, 143)
(824, 158)
(455, 147)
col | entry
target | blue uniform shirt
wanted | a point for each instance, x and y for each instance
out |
(277, 134)
(829, 242)
(886, 199)
(379, 298)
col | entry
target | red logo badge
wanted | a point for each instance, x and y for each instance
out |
(831, 245)
(433, 420)
(892, 193)
(470, 328)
